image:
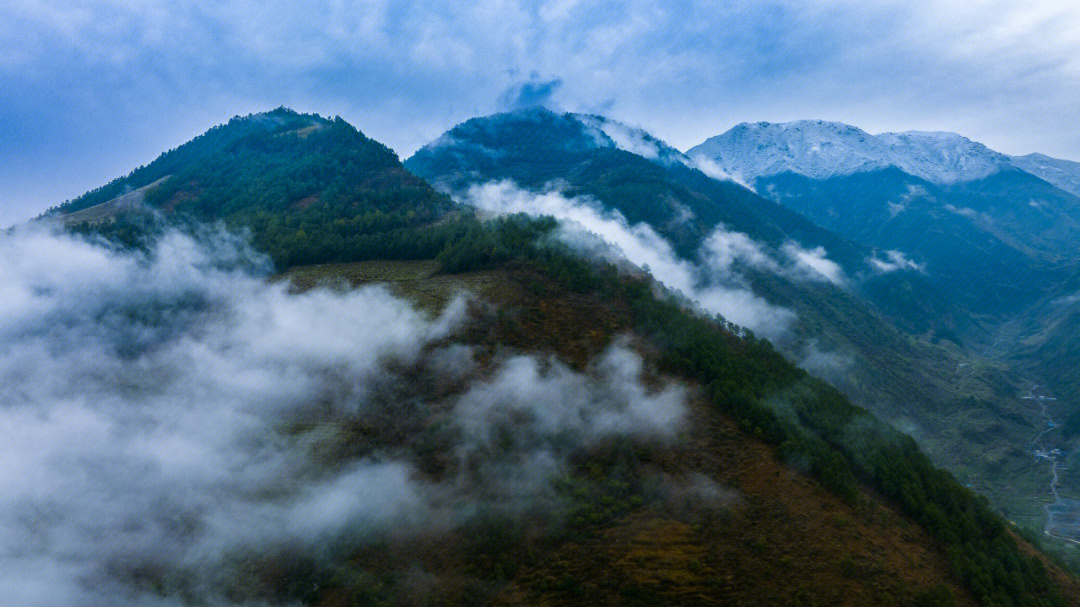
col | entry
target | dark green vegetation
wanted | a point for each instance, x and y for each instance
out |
(865, 519)
(536, 148)
(1003, 247)
(310, 190)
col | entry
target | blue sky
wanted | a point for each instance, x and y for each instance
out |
(89, 91)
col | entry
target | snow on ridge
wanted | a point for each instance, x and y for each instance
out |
(612, 133)
(1064, 174)
(821, 149)
(942, 157)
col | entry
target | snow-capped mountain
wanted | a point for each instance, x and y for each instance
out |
(819, 149)
(1064, 174)
(942, 157)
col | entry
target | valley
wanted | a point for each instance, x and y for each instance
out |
(1062, 514)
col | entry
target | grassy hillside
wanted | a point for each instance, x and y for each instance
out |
(714, 519)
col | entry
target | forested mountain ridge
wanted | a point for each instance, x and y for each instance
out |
(1004, 227)
(538, 147)
(648, 182)
(775, 475)
(310, 189)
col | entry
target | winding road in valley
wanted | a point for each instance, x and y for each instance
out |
(1062, 515)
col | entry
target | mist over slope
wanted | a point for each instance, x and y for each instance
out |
(167, 412)
(717, 288)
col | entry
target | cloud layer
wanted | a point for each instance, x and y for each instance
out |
(89, 91)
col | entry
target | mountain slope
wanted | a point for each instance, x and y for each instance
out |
(958, 209)
(1064, 174)
(963, 409)
(970, 240)
(537, 147)
(739, 373)
(995, 235)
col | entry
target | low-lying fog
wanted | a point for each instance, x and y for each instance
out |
(163, 411)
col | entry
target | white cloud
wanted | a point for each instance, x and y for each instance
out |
(723, 248)
(894, 260)
(712, 169)
(829, 365)
(544, 401)
(717, 289)
(813, 263)
(962, 211)
(625, 138)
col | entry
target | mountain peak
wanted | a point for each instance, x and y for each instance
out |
(816, 148)
(821, 149)
(499, 144)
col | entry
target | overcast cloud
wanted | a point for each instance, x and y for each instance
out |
(89, 91)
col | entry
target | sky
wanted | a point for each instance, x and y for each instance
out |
(91, 90)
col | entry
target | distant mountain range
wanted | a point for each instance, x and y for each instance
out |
(820, 149)
(960, 210)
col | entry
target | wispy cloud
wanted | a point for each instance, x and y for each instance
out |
(533, 92)
(714, 284)
(893, 261)
(813, 263)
